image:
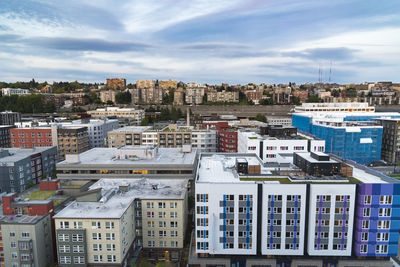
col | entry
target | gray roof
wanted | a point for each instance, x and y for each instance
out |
(17, 154)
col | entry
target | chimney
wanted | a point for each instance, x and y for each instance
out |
(187, 116)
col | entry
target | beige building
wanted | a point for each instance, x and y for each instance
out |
(116, 83)
(134, 115)
(131, 135)
(72, 140)
(223, 96)
(194, 95)
(106, 224)
(170, 84)
(145, 83)
(178, 97)
(107, 96)
(26, 240)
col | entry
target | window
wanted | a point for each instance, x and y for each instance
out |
(13, 244)
(175, 233)
(77, 237)
(150, 205)
(110, 247)
(385, 200)
(161, 214)
(367, 200)
(63, 237)
(174, 214)
(385, 212)
(25, 234)
(12, 234)
(150, 233)
(77, 248)
(163, 243)
(364, 236)
(64, 225)
(109, 225)
(110, 236)
(365, 224)
(381, 249)
(363, 248)
(162, 233)
(151, 243)
(366, 212)
(78, 225)
(381, 237)
(79, 259)
(150, 224)
(174, 224)
(199, 198)
(96, 225)
(161, 205)
(150, 214)
(14, 255)
(96, 236)
(97, 258)
(383, 224)
(111, 258)
(65, 260)
(64, 249)
(96, 247)
(201, 210)
(162, 224)
(174, 244)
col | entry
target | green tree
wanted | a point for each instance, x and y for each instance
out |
(261, 117)
(123, 97)
(313, 99)
(145, 121)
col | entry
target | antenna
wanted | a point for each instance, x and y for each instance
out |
(330, 72)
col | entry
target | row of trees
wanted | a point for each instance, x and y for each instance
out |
(26, 104)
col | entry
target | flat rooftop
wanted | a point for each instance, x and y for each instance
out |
(307, 156)
(220, 168)
(17, 154)
(108, 155)
(132, 129)
(114, 202)
(19, 219)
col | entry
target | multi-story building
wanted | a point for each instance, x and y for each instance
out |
(194, 95)
(178, 97)
(335, 107)
(106, 224)
(171, 136)
(129, 162)
(31, 137)
(72, 140)
(18, 167)
(223, 96)
(227, 137)
(14, 91)
(134, 116)
(108, 95)
(116, 83)
(151, 95)
(301, 94)
(248, 216)
(97, 129)
(284, 121)
(5, 135)
(9, 117)
(254, 95)
(26, 240)
(145, 83)
(169, 84)
(275, 148)
(390, 140)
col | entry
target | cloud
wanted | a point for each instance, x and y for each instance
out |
(336, 53)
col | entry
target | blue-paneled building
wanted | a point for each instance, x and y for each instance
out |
(348, 136)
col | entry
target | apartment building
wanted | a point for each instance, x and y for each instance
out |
(106, 224)
(335, 107)
(179, 97)
(132, 115)
(227, 138)
(223, 96)
(5, 135)
(14, 91)
(31, 137)
(194, 95)
(169, 137)
(97, 129)
(9, 117)
(390, 140)
(19, 166)
(276, 148)
(108, 95)
(116, 83)
(248, 216)
(72, 140)
(26, 240)
(168, 84)
(129, 162)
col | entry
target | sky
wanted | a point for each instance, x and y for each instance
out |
(204, 41)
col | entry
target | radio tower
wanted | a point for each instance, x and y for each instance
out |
(330, 72)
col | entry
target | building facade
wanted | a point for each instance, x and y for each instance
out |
(135, 116)
(390, 140)
(194, 95)
(5, 135)
(116, 83)
(31, 137)
(223, 96)
(72, 140)
(18, 166)
(108, 95)
(9, 117)
(14, 91)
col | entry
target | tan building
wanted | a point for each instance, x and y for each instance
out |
(151, 95)
(116, 217)
(116, 83)
(135, 116)
(131, 135)
(223, 96)
(107, 96)
(170, 84)
(145, 83)
(72, 140)
(26, 240)
(194, 95)
(178, 97)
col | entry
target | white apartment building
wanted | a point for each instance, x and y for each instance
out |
(273, 149)
(133, 114)
(284, 121)
(335, 107)
(14, 91)
(97, 130)
(106, 224)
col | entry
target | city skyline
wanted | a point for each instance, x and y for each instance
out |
(202, 41)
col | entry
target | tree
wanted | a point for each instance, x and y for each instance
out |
(260, 117)
(313, 99)
(123, 97)
(296, 101)
(109, 102)
(145, 121)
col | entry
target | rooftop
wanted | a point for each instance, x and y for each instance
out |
(116, 156)
(114, 201)
(132, 129)
(220, 168)
(16, 154)
(20, 219)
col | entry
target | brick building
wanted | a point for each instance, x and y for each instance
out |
(31, 137)
(116, 83)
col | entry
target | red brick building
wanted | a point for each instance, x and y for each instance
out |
(12, 205)
(31, 137)
(227, 138)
